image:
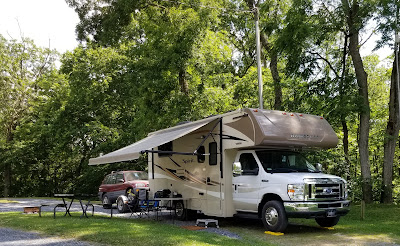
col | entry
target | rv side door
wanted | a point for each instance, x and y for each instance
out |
(246, 181)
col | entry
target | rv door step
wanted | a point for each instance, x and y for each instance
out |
(206, 222)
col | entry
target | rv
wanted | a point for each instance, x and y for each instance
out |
(248, 161)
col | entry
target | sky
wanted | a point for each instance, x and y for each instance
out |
(44, 21)
(52, 22)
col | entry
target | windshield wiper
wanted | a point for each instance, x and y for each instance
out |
(284, 170)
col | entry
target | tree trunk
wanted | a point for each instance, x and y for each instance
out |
(346, 148)
(7, 165)
(273, 67)
(392, 132)
(183, 82)
(362, 77)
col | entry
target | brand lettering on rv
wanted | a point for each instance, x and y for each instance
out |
(303, 136)
(186, 161)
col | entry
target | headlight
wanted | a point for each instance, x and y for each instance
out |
(295, 191)
(346, 190)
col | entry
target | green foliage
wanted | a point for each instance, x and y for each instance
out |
(147, 65)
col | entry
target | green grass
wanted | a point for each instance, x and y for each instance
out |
(116, 230)
(381, 224)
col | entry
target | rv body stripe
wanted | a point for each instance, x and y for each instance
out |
(172, 173)
(176, 163)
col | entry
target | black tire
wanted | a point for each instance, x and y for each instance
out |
(106, 201)
(180, 211)
(121, 206)
(191, 214)
(274, 216)
(327, 222)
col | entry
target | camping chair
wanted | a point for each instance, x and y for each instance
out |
(145, 205)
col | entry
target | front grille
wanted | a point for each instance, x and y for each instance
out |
(325, 191)
(330, 205)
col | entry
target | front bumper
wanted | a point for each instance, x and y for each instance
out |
(316, 209)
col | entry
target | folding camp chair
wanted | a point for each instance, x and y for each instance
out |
(144, 205)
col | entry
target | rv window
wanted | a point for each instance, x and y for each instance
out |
(212, 147)
(165, 147)
(200, 154)
(249, 164)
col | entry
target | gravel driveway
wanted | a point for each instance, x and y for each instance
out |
(11, 237)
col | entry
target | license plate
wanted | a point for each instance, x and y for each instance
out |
(331, 213)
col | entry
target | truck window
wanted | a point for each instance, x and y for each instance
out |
(282, 161)
(249, 164)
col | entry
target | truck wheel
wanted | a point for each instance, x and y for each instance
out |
(106, 202)
(180, 211)
(274, 216)
(327, 222)
(121, 206)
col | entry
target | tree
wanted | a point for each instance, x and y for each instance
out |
(22, 65)
(356, 15)
(388, 26)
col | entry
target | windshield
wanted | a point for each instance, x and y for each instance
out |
(284, 162)
(131, 176)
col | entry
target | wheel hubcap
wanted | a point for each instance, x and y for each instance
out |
(179, 209)
(120, 205)
(271, 216)
(105, 200)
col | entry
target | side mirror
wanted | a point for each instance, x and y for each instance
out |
(237, 169)
(318, 166)
(120, 181)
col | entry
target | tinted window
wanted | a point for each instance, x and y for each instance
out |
(107, 179)
(165, 147)
(249, 164)
(119, 176)
(110, 179)
(201, 157)
(213, 153)
(284, 162)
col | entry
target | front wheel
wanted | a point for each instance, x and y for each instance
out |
(274, 216)
(327, 221)
(121, 206)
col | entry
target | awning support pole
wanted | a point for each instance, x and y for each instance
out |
(208, 135)
(186, 153)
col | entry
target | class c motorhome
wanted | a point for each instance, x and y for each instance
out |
(241, 162)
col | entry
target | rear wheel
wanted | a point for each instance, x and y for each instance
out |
(106, 202)
(327, 222)
(180, 211)
(274, 216)
(121, 206)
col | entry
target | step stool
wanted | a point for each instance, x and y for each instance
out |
(206, 222)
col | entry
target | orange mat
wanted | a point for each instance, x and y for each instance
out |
(193, 228)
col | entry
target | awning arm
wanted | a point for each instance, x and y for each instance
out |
(208, 135)
(169, 152)
(184, 153)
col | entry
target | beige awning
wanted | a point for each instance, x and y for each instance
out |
(132, 152)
